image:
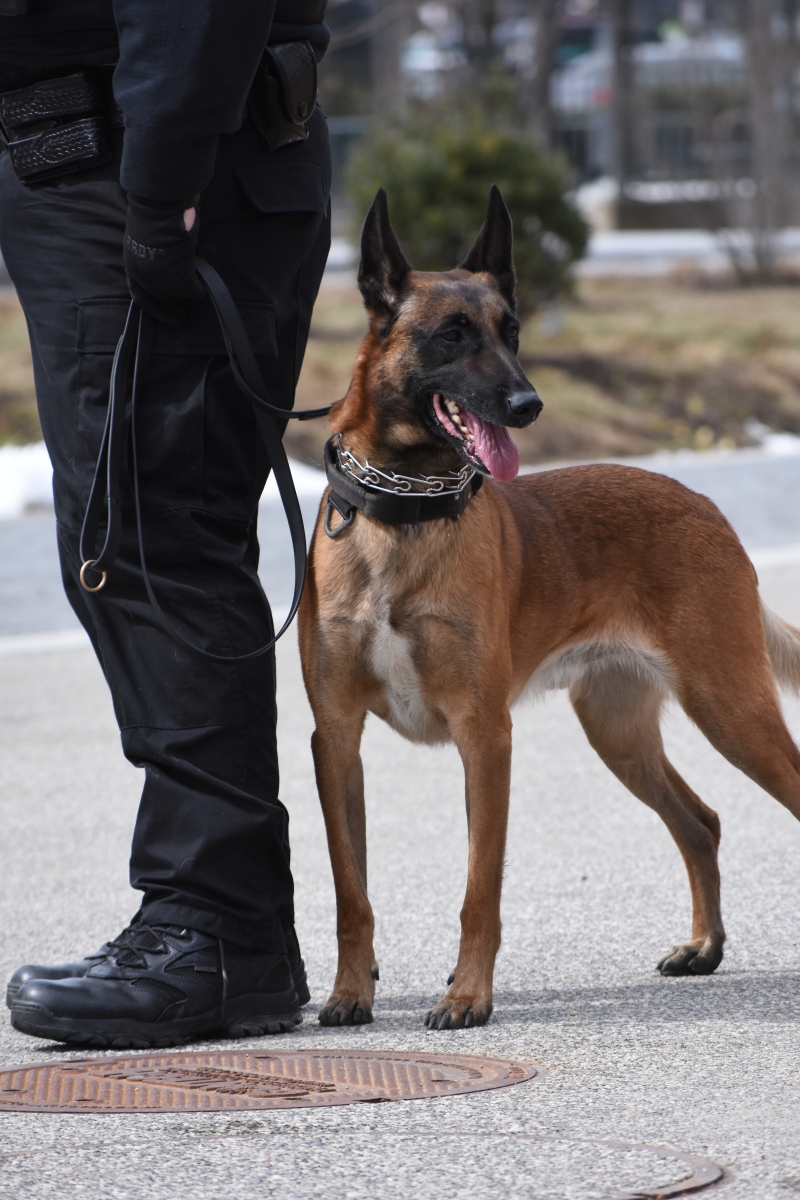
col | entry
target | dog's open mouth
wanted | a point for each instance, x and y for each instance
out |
(488, 447)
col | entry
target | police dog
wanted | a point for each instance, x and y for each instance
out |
(621, 585)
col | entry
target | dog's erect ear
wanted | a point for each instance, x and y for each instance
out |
(493, 249)
(383, 270)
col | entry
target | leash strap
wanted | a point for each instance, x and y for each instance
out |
(107, 471)
(409, 508)
(240, 353)
(134, 349)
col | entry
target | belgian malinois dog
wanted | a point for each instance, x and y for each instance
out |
(621, 585)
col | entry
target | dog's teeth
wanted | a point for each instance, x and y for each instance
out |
(451, 405)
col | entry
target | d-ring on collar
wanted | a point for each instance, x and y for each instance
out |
(349, 494)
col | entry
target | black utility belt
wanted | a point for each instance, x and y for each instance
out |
(59, 126)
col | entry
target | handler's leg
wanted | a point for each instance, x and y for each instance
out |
(210, 850)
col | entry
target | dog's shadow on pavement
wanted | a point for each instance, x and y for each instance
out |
(726, 996)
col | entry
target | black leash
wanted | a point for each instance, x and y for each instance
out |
(133, 350)
(109, 459)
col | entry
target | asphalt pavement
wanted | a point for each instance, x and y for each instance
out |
(595, 893)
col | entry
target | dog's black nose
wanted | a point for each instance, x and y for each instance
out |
(526, 405)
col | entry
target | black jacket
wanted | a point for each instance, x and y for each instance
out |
(182, 77)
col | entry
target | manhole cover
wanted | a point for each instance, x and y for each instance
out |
(248, 1079)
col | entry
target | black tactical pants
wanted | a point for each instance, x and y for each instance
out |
(211, 848)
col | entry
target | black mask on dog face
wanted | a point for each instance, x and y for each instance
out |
(448, 369)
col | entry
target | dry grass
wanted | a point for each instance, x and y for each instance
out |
(19, 420)
(639, 364)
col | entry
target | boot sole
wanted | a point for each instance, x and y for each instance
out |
(245, 1016)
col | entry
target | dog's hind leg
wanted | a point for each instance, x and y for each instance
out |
(734, 702)
(620, 713)
(484, 744)
(340, 780)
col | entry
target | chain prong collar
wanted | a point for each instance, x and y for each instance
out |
(393, 484)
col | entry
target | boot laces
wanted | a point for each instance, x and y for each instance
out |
(129, 948)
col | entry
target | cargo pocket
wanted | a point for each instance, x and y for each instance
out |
(171, 425)
(281, 187)
(293, 198)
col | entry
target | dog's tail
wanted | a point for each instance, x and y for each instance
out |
(783, 643)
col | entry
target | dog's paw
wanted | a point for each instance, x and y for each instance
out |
(458, 1014)
(692, 958)
(346, 1010)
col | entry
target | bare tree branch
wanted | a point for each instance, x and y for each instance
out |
(623, 84)
(547, 14)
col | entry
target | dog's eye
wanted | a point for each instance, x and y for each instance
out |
(513, 336)
(452, 335)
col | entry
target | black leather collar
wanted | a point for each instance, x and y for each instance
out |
(348, 495)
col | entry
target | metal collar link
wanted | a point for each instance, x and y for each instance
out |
(356, 486)
(401, 485)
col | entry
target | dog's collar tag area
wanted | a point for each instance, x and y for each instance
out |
(349, 494)
(346, 511)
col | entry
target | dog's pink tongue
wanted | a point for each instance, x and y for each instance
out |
(494, 447)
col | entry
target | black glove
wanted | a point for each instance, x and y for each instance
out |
(159, 258)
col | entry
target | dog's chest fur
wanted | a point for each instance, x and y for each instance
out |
(391, 656)
(385, 595)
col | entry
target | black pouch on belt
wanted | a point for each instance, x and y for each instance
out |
(55, 127)
(283, 94)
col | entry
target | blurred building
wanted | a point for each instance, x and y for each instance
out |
(683, 106)
(686, 73)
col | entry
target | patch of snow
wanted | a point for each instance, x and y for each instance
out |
(776, 445)
(596, 202)
(781, 445)
(308, 481)
(26, 478)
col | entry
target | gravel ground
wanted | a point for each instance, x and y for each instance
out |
(595, 893)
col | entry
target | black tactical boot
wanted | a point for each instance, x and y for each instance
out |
(71, 970)
(75, 970)
(297, 967)
(161, 985)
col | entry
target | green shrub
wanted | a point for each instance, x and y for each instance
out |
(437, 163)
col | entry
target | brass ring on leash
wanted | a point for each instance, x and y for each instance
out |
(89, 563)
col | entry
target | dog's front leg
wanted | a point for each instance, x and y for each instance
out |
(340, 780)
(485, 749)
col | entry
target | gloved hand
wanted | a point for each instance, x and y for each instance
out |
(158, 252)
